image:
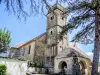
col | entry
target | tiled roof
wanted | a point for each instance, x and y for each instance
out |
(67, 52)
(34, 39)
(80, 51)
(18, 45)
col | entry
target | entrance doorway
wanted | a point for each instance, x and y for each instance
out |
(62, 67)
(82, 67)
(62, 64)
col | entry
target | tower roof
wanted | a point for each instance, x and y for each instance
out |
(57, 6)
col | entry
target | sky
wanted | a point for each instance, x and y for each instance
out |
(22, 31)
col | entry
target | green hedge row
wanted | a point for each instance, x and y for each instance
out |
(3, 69)
(20, 59)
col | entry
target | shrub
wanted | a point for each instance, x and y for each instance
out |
(3, 69)
(35, 64)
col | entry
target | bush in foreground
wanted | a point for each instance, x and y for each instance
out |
(3, 69)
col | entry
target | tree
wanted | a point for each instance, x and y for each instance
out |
(86, 16)
(5, 39)
(25, 8)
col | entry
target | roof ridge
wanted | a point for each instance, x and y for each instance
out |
(34, 39)
(18, 45)
(80, 51)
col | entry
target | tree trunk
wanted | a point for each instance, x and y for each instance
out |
(96, 45)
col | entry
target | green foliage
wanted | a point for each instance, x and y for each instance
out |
(36, 64)
(82, 16)
(99, 64)
(19, 59)
(86, 17)
(5, 39)
(70, 26)
(3, 69)
(31, 64)
(65, 28)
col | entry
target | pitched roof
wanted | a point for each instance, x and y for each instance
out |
(18, 45)
(80, 51)
(67, 52)
(33, 39)
(57, 6)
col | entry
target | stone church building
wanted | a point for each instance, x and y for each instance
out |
(52, 48)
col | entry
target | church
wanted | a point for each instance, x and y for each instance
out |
(53, 50)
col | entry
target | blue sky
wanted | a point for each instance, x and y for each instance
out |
(34, 26)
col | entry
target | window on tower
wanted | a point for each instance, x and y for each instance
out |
(51, 32)
(52, 17)
(62, 18)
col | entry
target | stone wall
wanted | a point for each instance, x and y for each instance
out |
(86, 63)
(58, 63)
(26, 53)
(14, 67)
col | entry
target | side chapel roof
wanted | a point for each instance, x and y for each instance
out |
(68, 53)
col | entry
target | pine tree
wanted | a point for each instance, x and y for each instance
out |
(86, 16)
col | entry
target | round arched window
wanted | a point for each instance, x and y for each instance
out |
(52, 17)
(51, 32)
(62, 18)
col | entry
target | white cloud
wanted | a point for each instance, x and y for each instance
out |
(4, 54)
(90, 54)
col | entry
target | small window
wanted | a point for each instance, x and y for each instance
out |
(62, 18)
(47, 58)
(52, 18)
(23, 52)
(51, 32)
(29, 49)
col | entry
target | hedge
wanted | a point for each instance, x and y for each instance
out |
(3, 69)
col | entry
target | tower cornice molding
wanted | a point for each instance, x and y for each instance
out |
(54, 26)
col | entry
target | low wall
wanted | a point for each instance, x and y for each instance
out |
(45, 74)
(14, 67)
(40, 74)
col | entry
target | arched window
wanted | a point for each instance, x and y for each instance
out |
(62, 18)
(51, 32)
(29, 49)
(52, 17)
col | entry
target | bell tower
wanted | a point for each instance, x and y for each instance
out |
(56, 19)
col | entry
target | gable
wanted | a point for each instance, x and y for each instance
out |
(33, 40)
